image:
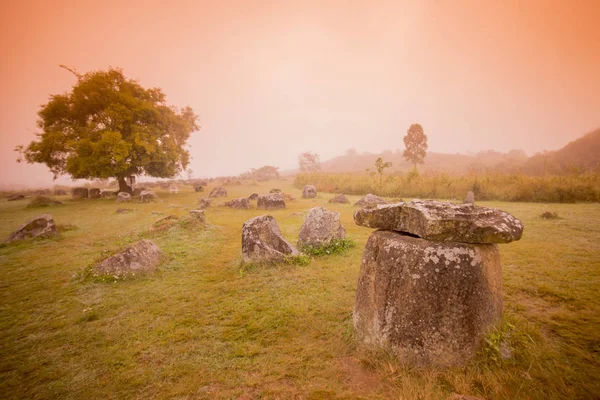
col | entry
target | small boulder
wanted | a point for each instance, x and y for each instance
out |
(549, 215)
(79, 193)
(270, 201)
(470, 198)
(124, 210)
(320, 228)
(443, 221)
(40, 226)
(94, 193)
(123, 197)
(262, 241)
(198, 188)
(340, 198)
(219, 191)
(370, 200)
(14, 197)
(239, 204)
(141, 257)
(431, 303)
(43, 201)
(147, 196)
(203, 203)
(275, 191)
(164, 223)
(108, 194)
(253, 196)
(309, 192)
(198, 215)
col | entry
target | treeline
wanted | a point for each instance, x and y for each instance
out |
(488, 186)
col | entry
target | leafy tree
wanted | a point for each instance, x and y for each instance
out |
(416, 145)
(309, 162)
(110, 126)
(263, 173)
(380, 166)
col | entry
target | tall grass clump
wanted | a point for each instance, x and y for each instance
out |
(489, 186)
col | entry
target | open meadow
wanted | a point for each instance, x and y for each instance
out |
(207, 327)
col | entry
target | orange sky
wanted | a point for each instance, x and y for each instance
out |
(272, 79)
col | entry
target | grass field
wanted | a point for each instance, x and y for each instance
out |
(205, 328)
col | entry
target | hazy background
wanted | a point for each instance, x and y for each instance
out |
(272, 79)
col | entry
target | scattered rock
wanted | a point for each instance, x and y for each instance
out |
(43, 201)
(320, 228)
(340, 198)
(370, 200)
(309, 192)
(14, 197)
(430, 302)
(549, 215)
(40, 226)
(79, 193)
(198, 215)
(94, 193)
(470, 198)
(262, 241)
(239, 204)
(123, 197)
(442, 221)
(275, 191)
(203, 203)
(124, 210)
(147, 196)
(108, 194)
(141, 257)
(164, 223)
(270, 201)
(219, 191)
(198, 188)
(253, 196)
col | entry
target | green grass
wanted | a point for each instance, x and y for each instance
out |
(202, 328)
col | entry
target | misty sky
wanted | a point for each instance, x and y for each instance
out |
(272, 79)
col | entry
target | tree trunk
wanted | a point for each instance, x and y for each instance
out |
(123, 186)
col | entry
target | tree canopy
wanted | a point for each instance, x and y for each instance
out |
(416, 145)
(309, 162)
(109, 126)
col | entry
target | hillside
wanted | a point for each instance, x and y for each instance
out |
(580, 155)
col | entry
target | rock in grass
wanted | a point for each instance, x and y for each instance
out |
(469, 198)
(270, 201)
(94, 193)
(39, 226)
(309, 192)
(141, 257)
(275, 191)
(147, 196)
(370, 200)
(340, 198)
(219, 191)
(253, 196)
(123, 197)
(203, 203)
(442, 221)
(320, 228)
(79, 193)
(164, 223)
(430, 302)
(43, 201)
(14, 197)
(262, 241)
(241, 203)
(198, 215)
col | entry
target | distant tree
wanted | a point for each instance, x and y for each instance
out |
(380, 166)
(351, 152)
(415, 142)
(110, 126)
(265, 173)
(309, 162)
